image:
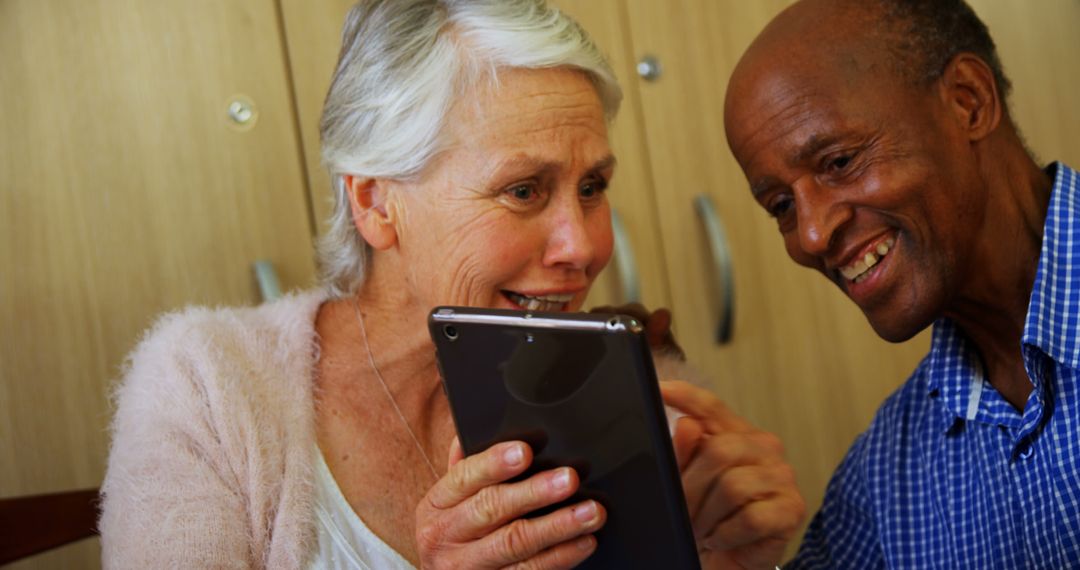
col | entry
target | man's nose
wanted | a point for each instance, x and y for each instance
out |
(569, 243)
(821, 212)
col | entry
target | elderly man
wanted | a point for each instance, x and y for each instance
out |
(877, 133)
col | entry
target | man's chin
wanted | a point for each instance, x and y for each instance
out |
(897, 328)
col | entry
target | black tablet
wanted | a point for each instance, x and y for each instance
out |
(581, 390)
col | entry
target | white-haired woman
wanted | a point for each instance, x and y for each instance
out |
(467, 141)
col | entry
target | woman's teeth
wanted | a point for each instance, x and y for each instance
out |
(541, 302)
(858, 270)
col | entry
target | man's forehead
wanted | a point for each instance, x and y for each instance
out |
(840, 36)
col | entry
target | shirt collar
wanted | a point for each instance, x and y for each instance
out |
(1053, 318)
(953, 370)
(954, 375)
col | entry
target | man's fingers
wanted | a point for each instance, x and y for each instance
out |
(688, 434)
(738, 487)
(777, 518)
(703, 405)
(715, 455)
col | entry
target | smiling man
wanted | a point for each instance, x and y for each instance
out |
(877, 133)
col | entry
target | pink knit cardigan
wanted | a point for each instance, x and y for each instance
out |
(212, 459)
(213, 442)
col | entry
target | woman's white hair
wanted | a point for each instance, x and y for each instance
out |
(402, 64)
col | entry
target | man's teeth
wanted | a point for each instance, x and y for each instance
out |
(541, 302)
(857, 271)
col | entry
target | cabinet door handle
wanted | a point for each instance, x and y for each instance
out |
(266, 277)
(625, 262)
(721, 257)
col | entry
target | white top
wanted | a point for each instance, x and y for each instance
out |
(344, 541)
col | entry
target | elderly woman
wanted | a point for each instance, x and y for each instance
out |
(468, 145)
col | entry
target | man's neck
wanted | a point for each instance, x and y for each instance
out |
(992, 311)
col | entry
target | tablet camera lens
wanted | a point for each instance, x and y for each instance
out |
(450, 331)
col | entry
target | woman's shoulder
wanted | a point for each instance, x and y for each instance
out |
(196, 351)
(290, 315)
(213, 426)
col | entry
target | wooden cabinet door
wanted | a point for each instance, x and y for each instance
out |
(126, 190)
(632, 194)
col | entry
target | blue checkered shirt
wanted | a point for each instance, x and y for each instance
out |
(949, 474)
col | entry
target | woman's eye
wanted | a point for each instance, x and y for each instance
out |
(522, 192)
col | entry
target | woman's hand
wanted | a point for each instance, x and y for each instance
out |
(741, 493)
(472, 518)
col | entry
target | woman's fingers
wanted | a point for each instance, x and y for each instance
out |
(566, 555)
(474, 517)
(529, 540)
(456, 453)
(465, 478)
(495, 506)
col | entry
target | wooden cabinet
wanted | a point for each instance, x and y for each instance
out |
(126, 190)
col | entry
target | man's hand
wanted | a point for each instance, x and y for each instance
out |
(657, 325)
(741, 493)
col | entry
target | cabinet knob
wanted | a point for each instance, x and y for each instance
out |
(241, 112)
(648, 68)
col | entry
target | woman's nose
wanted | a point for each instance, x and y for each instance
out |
(569, 242)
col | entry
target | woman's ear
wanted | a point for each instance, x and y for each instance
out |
(971, 93)
(368, 199)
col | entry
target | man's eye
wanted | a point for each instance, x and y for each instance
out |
(778, 208)
(593, 188)
(839, 163)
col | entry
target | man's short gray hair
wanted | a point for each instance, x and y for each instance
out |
(401, 66)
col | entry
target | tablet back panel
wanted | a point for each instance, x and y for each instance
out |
(581, 391)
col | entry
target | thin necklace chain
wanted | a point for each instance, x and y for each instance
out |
(386, 389)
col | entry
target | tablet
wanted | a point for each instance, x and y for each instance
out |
(581, 390)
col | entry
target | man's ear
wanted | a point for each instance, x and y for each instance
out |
(368, 199)
(972, 95)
